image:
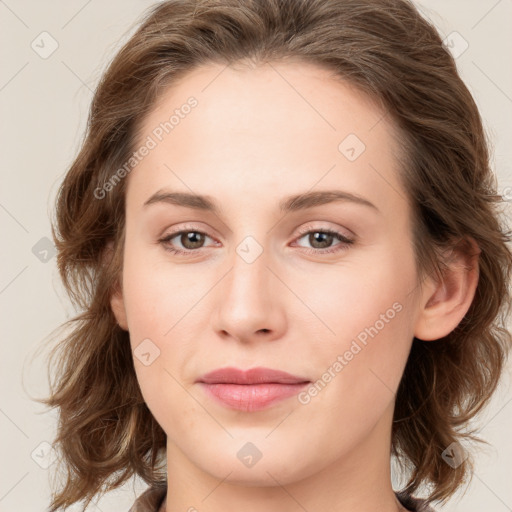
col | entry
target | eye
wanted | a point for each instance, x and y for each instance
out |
(190, 241)
(321, 241)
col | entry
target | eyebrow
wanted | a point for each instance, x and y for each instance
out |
(289, 204)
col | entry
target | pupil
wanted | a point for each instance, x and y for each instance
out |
(192, 240)
(327, 238)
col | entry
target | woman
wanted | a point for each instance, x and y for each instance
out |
(283, 231)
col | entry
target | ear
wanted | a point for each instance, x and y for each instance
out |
(116, 299)
(117, 305)
(446, 300)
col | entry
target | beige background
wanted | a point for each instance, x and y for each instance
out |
(44, 104)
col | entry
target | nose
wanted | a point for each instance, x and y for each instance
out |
(249, 302)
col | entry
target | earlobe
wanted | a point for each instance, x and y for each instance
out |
(445, 301)
(117, 305)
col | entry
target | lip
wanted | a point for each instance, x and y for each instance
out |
(259, 375)
(251, 390)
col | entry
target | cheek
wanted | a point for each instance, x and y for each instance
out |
(156, 294)
(366, 331)
(347, 301)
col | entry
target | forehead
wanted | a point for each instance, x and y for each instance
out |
(276, 127)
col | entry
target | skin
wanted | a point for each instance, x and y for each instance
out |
(258, 135)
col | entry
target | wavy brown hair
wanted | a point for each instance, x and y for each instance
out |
(106, 433)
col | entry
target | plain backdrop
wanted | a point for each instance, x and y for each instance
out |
(53, 54)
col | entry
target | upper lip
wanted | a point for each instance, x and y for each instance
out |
(258, 375)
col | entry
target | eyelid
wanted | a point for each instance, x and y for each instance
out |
(186, 228)
(307, 228)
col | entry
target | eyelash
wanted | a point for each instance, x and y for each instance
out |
(345, 242)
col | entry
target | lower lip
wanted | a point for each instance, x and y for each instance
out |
(252, 397)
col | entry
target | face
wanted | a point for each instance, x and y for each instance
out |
(323, 286)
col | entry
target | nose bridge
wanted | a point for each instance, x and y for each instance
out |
(248, 298)
(248, 282)
(248, 278)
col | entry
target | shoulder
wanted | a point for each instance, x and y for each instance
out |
(413, 504)
(150, 500)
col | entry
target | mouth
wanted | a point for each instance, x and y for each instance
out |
(251, 390)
